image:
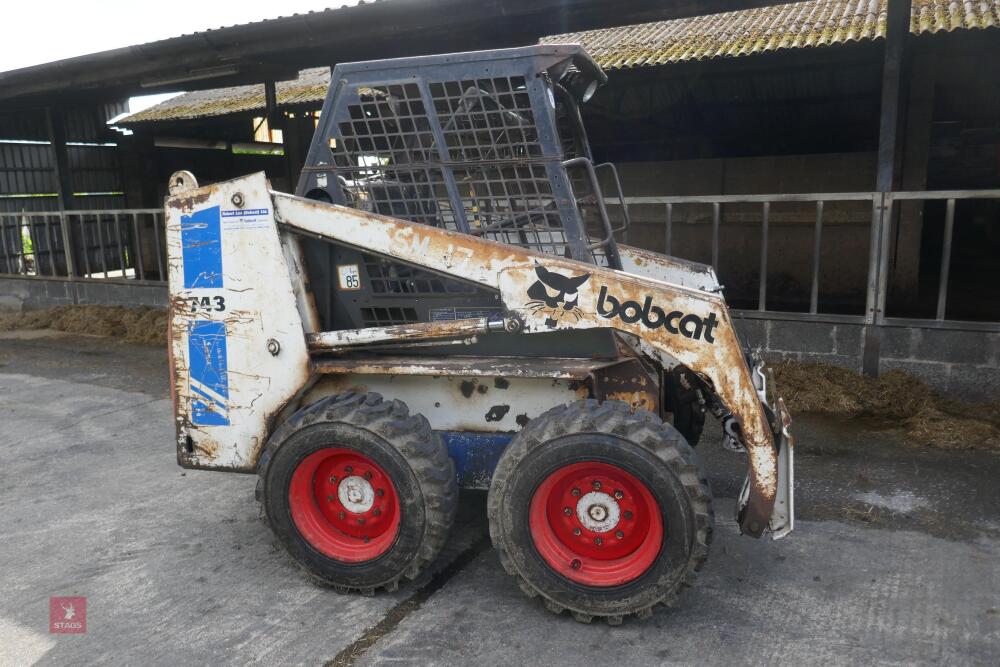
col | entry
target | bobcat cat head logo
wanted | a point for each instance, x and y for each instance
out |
(554, 295)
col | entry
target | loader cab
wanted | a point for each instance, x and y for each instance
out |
(486, 143)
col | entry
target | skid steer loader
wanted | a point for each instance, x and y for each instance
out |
(443, 304)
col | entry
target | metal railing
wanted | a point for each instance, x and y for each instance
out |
(117, 244)
(881, 226)
(128, 245)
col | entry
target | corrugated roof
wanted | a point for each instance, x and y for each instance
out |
(796, 25)
(310, 86)
(730, 34)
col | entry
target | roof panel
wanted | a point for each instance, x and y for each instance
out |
(797, 25)
(731, 34)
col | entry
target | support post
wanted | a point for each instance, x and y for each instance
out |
(887, 173)
(61, 171)
(274, 119)
(60, 159)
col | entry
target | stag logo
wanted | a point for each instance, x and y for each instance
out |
(555, 295)
(68, 615)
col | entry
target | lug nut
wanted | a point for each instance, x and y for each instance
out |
(567, 511)
(329, 499)
(333, 479)
(349, 469)
(368, 474)
(598, 541)
(628, 515)
(377, 512)
(597, 485)
(575, 491)
(379, 492)
(619, 534)
(341, 516)
(575, 564)
(618, 494)
(576, 531)
(361, 522)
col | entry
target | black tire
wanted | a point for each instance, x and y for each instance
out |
(641, 444)
(412, 456)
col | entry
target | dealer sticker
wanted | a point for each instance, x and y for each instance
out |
(246, 218)
(350, 279)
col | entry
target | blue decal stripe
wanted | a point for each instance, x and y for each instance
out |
(475, 455)
(207, 355)
(201, 249)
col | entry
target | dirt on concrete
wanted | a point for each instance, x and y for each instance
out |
(142, 325)
(895, 398)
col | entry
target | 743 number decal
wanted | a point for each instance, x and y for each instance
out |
(207, 304)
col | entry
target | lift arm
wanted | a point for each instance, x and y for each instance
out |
(670, 323)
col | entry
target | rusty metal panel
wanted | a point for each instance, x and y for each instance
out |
(668, 269)
(532, 367)
(237, 348)
(671, 324)
(480, 404)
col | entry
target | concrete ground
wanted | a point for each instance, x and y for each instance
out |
(894, 559)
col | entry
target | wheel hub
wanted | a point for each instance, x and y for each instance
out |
(608, 536)
(598, 512)
(356, 494)
(344, 504)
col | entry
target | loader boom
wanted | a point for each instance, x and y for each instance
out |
(444, 304)
(671, 325)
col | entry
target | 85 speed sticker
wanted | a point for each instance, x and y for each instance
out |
(349, 277)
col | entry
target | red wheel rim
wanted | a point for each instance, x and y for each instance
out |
(344, 504)
(596, 524)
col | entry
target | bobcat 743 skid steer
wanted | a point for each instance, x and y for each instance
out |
(444, 305)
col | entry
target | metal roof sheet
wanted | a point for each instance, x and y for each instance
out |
(309, 87)
(797, 25)
(731, 34)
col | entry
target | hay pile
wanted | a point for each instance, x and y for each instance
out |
(134, 325)
(895, 399)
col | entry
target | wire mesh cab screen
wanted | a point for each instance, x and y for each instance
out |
(468, 142)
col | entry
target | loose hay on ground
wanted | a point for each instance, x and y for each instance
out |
(134, 325)
(896, 398)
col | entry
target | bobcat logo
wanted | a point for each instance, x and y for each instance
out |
(554, 295)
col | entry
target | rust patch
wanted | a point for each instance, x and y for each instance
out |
(501, 383)
(630, 382)
(522, 420)
(482, 389)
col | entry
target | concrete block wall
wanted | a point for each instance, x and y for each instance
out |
(961, 364)
(31, 293)
(813, 342)
(965, 364)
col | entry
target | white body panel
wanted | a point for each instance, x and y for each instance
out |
(461, 403)
(231, 295)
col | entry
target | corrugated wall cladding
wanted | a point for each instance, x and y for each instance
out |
(26, 169)
(797, 25)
